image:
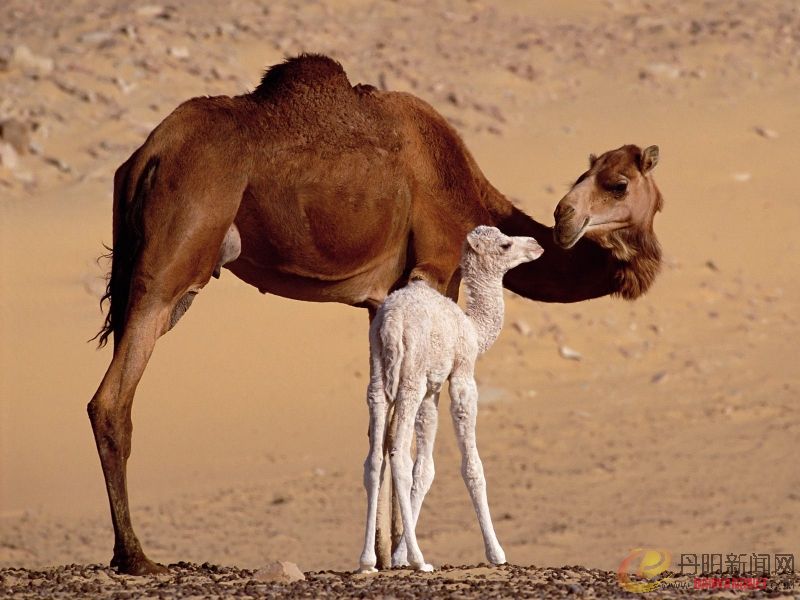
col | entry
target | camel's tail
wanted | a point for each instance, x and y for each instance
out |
(393, 352)
(132, 182)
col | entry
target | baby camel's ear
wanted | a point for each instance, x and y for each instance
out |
(477, 240)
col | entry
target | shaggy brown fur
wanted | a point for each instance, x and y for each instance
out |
(325, 192)
(614, 204)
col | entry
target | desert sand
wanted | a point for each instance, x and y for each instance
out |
(670, 422)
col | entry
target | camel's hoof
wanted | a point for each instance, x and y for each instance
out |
(497, 558)
(425, 568)
(138, 565)
(367, 570)
(399, 563)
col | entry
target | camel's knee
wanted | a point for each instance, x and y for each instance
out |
(472, 470)
(424, 474)
(463, 399)
(230, 249)
(372, 469)
(461, 388)
(374, 461)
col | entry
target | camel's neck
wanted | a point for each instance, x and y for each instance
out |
(485, 307)
(582, 272)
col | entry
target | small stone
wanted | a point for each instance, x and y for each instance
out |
(8, 156)
(522, 327)
(123, 85)
(569, 353)
(103, 577)
(658, 377)
(26, 60)
(179, 52)
(17, 134)
(226, 29)
(769, 134)
(58, 164)
(95, 37)
(279, 571)
(151, 11)
(659, 71)
(574, 588)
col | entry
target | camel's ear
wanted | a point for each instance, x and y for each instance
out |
(476, 241)
(592, 160)
(649, 158)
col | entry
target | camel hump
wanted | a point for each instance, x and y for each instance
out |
(303, 71)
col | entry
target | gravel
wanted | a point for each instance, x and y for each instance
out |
(188, 580)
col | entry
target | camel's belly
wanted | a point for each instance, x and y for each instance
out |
(367, 287)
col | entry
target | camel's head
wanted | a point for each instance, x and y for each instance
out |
(490, 251)
(614, 201)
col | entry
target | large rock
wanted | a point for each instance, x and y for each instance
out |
(280, 572)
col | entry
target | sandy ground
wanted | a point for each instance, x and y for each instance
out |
(678, 427)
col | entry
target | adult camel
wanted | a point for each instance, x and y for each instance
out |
(314, 189)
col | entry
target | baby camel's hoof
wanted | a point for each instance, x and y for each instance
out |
(399, 564)
(425, 568)
(363, 569)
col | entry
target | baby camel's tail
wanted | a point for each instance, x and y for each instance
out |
(391, 334)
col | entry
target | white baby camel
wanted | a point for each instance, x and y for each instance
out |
(418, 340)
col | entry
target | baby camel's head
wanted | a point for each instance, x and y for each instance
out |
(489, 251)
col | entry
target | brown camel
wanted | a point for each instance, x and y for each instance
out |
(314, 189)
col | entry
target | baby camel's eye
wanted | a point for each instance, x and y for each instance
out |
(505, 246)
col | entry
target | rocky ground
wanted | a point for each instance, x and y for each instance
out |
(188, 580)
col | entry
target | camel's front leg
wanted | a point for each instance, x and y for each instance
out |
(464, 409)
(425, 427)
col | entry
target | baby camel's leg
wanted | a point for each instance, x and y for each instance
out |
(406, 407)
(373, 468)
(425, 428)
(464, 410)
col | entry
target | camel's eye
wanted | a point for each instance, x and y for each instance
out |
(505, 246)
(619, 189)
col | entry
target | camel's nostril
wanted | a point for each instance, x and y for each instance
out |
(563, 211)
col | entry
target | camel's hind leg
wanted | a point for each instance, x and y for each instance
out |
(110, 414)
(150, 315)
(180, 247)
(409, 398)
(425, 428)
(374, 466)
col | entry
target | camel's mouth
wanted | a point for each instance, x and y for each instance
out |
(567, 239)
